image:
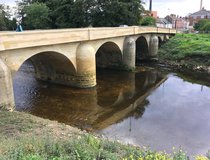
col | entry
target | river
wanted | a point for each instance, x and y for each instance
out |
(156, 108)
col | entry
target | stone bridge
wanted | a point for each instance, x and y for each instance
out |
(70, 56)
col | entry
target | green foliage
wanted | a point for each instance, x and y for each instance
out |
(81, 13)
(200, 157)
(37, 16)
(79, 146)
(186, 45)
(202, 25)
(189, 51)
(206, 27)
(5, 22)
(147, 21)
(180, 155)
(116, 12)
(2, 23)
(86, 147)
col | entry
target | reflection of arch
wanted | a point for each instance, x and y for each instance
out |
(109, 56)
(142, 48)
(52, 66)
(141, 80)
(106, 98)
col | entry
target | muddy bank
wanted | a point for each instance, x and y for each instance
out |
(187, 52)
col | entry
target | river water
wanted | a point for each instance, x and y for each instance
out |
(149, 107)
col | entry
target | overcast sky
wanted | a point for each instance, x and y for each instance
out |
(178, 7)
(163, 7)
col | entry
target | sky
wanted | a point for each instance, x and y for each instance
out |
(163, 7)
(177, 7)
(8, 2)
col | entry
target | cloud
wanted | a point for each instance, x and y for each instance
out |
(8, 2)
(178, 7)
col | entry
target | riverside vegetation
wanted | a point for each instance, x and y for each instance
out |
(27, 137)
(187, 51)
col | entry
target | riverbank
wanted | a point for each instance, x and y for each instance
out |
(27, 137)
(187, 52)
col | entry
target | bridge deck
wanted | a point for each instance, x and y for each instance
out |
(15, 40)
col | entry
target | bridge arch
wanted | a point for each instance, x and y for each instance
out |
(53, 67)
(109, 55)
(142, 48)
(160, 41)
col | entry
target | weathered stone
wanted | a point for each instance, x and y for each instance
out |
(86, 67)
(153, 46)
(6, 88)
(68, 56)
(129, 54)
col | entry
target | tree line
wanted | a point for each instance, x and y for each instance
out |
(202, 25)
(6, 23)
(52, 14)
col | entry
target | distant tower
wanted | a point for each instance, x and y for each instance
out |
(150, 5)
(201, 5)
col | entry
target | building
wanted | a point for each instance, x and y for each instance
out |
(154, 14)
(179, 23)
(195, 17)
(163, 23)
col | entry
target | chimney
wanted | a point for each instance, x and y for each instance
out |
(150, 6)
(201, 5)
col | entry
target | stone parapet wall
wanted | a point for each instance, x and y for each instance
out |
(14, 40)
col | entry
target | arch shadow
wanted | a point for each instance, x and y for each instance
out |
(142, 48)
(160, 42)
(51, 66)
(109, 56)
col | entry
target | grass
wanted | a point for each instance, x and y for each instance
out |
(26, 137)
(187, 49)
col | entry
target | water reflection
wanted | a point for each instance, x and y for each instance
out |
(117, 95)
(145, 108)
(178, 113)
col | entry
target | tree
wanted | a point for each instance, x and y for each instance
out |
(199, 26)
(67, 13)
(147, 21)
(5, 22)
(82, 13)
(2, 20)
(117, 12)
(37, 16)
(206, 27)
(64, 13)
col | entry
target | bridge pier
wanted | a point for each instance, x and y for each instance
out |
(86, 66)
(153, 46)
(129, 54)
(6, 88)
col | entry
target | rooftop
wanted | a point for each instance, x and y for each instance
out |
(201, 13)
(162, 21)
